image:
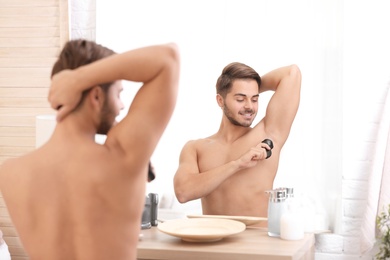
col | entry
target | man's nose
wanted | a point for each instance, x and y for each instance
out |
(248, 104)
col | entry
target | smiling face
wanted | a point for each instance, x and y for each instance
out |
(241, 103)
(111, 108)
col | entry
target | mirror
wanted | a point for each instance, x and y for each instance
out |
(265, 35)
(330, 42)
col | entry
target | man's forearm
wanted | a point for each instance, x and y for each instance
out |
(139, 65)
(272, 79)
(191, 186)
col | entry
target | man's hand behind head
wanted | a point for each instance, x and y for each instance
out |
(63, 96)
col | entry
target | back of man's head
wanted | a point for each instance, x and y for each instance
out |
(79, 52)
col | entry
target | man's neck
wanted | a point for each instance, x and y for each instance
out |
(76, 126)
(229, 132)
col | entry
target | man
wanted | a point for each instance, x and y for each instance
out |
(229, 170)
(76, 199)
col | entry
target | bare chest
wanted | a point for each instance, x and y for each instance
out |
(212, 154)
(244, 191)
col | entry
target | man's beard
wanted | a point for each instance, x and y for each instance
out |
(106, 121)
(232, 120)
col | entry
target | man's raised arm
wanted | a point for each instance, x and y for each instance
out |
(283, 105)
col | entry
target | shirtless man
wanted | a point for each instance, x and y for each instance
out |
(229, 170)
(72, 198)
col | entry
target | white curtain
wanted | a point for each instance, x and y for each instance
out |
(379, 180)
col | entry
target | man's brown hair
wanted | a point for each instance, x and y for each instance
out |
(233, 71)
(77, 53)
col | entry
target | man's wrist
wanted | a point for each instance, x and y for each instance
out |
(236, 165)
(83, 78)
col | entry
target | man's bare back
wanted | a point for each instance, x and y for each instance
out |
(72, 198)
(83, 204)
(229, 171)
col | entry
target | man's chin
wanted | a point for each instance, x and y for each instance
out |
(243, 124)
(247, 123)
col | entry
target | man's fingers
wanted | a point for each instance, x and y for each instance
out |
(264, 146)
(53, 105)
(259, 154)
(62, 112)
(269, 143)
(269, 153)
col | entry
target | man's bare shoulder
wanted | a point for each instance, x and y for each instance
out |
(16, 165)
(200, 142)
(9, 165)
(7, 168)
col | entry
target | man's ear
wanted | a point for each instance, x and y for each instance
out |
(96, 97)
(220, 100)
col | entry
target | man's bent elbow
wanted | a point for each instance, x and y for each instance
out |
(174, 50)
(174, 55)
(172, 63)
(295, 71)
(181, 197)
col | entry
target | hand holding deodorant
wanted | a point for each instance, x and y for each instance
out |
(271, 145)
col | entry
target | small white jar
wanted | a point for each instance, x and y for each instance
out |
(291, 224)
